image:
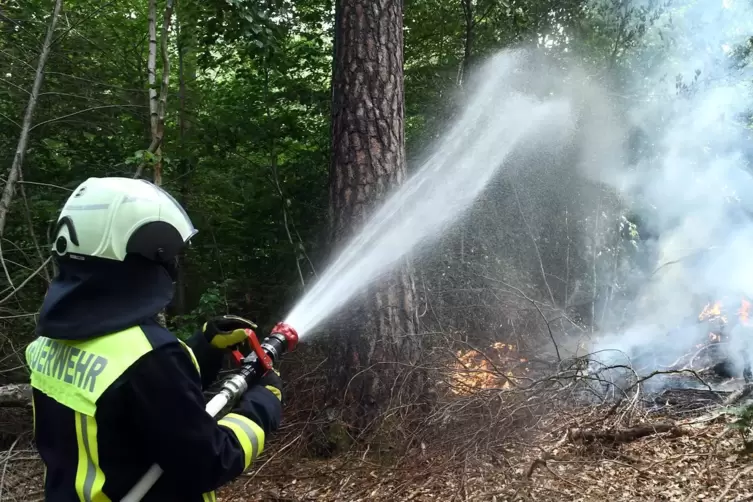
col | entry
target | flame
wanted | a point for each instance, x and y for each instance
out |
(711, 311)
(743, 313)
(473, 371)
(716, 310)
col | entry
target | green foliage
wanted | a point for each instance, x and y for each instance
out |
(743, 423)
(743, 418)
(246, 130)
(209, 304)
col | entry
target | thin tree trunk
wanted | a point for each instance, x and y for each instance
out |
(468, 40)
(162, 105)
(18, 160)
(158, 104)
(151, 69)
(186, 72)
(151, 72)
(296, 247)
(368, 160)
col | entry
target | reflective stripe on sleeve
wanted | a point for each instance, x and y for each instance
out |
(275, 391)
(89, 477)
(209, 497)
(249, 435)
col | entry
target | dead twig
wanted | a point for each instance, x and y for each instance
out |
(5, 466)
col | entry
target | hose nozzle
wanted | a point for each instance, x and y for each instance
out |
(288, 333)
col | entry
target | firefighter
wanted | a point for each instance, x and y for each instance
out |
(113, 391)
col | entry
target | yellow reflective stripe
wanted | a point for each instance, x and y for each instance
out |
(190, 353)
(89, 477)
(274, 391)
(250, 436)
(34, 432)
(33, 417)
(209, 497)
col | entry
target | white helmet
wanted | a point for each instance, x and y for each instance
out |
(112, 217)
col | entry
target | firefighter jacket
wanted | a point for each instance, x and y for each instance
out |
(114, 392)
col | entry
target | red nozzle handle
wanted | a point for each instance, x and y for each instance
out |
(264, 358)
(236, 355)
(290, 334)
(253, 343)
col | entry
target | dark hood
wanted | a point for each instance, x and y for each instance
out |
(95, 297)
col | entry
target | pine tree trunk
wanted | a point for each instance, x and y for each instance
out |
(368, 160)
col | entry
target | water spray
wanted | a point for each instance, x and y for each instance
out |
(262, 358)
(501, 120)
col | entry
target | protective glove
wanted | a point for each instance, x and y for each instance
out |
(272, 382)
(262, 402)
(226, 331)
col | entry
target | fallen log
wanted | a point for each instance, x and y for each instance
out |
(17, 395)
(622, 435)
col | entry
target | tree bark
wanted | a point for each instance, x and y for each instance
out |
(18, 160)
(368, 160)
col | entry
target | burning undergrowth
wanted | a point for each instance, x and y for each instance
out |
(711, 351)
(498, 367)
(689, 181)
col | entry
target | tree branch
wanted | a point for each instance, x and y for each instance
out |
(23, 140)
(26, 281)
(79, 112)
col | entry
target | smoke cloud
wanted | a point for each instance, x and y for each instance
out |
(691, 178)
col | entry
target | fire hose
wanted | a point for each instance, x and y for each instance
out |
(262, 358)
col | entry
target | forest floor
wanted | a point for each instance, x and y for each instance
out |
(693, 459)
(594, 455)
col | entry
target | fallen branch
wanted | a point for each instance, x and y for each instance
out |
(15, 395)
(739, 395)
(622, 436)
(673, 372)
